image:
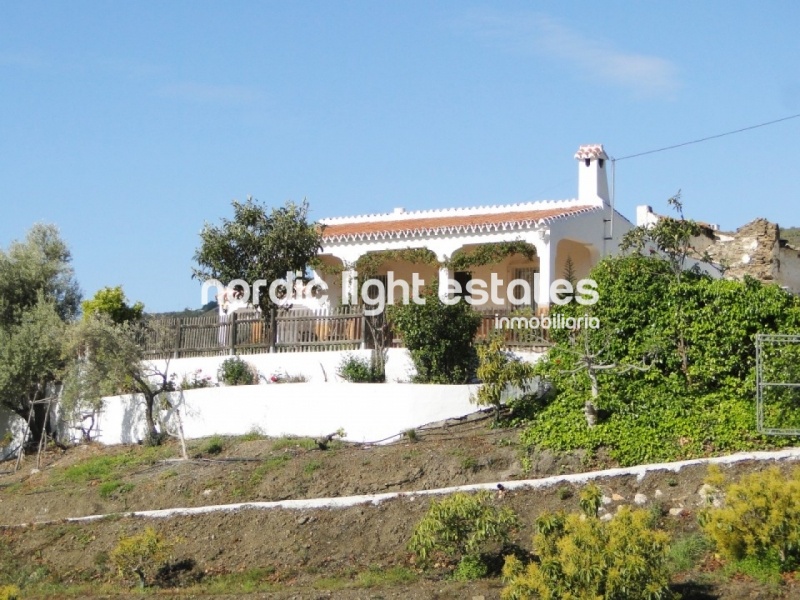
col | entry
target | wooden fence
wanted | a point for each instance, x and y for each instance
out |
(295, 330)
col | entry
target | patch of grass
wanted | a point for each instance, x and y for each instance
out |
(565, 493)
(108, 489)
(215, 445)
(104, 468)
(246, 582)
(469, 464)
(331, 583)
(273, 463)
(767, 572)
(378, 577)
(686, 552)
(253, 435)
(311, 466)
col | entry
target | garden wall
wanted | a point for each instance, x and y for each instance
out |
(317, 367)
(368, 412)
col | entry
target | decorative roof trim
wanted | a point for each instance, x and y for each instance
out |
(402, 215)
(448, 225)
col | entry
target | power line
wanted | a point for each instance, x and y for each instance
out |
(711, 137)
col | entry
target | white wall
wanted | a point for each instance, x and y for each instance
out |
(318, 367)
(11, 423)
(367, 412)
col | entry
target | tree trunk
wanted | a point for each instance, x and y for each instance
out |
(589, 408)
(38, 421)
(153, 436)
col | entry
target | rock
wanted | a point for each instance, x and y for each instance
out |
(607, 517)
(35, 471)
(302, 520)
(208, 492)
(658, 494)
(640, 499)
(676, 512)
(479, 598)
(617, 498)
(606, 500)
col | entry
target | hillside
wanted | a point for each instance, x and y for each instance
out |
(791, 235)
(350, 552)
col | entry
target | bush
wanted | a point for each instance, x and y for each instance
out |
(235, 371)
(357, 369)
(462, 527)
(439, 337)
(584, 557)
(140, 554)
(9, 592)
(196, 381)
(497, 371)
(759, 520)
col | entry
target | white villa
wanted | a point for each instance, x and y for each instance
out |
(582, 229)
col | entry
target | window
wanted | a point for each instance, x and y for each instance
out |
(526, 274)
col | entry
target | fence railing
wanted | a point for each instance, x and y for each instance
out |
(294, 330)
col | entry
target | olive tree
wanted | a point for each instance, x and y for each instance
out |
(38, 297)
(107, 358)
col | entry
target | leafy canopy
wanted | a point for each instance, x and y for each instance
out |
(258, 244)
(113, 303)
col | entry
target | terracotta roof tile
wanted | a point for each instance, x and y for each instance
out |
(449, 224)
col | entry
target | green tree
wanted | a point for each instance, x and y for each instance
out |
(38, 296)
(439, 336)
(112, 302)
(258, 244)
(107, 358)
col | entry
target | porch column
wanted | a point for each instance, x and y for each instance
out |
(547, 263)
(349, 287)
(445, 275)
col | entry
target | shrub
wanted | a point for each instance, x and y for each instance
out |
(215, 445)
(759, 520)
(196, 381)
(462, 527)
(439, 337)
(584, 557)
(140, 555)
(358, 369)
(284, 377)
(9, 592)
(235, 371)
(497, 371)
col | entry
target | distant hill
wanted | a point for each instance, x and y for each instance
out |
(791, 235)
(210, 308)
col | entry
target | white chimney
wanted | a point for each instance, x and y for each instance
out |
(592, 179)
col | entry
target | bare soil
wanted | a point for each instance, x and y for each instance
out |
(344, 553)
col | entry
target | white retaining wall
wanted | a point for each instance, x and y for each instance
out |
(368, 412)
(315, 366)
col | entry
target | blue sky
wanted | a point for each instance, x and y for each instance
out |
(130, 124)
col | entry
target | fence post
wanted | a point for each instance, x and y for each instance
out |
(232, 333)
(178, 335)
(363, 330)
(273, 328)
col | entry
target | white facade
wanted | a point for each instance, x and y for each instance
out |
(583, 229)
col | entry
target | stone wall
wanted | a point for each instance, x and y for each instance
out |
(755, 249)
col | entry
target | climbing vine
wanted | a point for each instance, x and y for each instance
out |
(370, 263)
(487, 254)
